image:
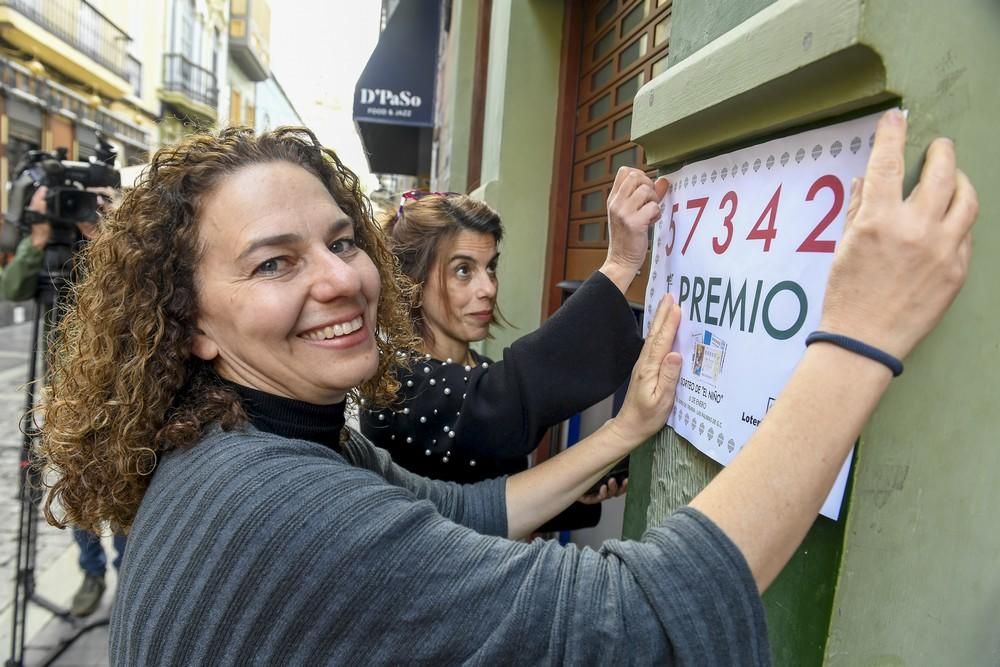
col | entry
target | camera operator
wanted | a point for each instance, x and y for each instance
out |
(20, 282)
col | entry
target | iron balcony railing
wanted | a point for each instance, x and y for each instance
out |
(183, 76)
(54, 97)
(82, 26)
(134, 69)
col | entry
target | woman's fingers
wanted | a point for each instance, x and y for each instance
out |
(620, 176)
(964, 207)
(661, 185)
(627, 181)
(610, 489)
(637, 189)
(965, 251)
(884, 175)
(650, 212)
(663, 367)
(854, 203)
(647, 191)
(937, 179)
(664, 341)
(672, 323)
(670, 375)
(659, 340)
(616, 488)
(901, 263)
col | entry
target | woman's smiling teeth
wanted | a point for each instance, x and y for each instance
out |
(336, 330)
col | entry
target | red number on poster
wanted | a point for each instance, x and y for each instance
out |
(812, 242)
(700, 203)
(673, 229)
(727, 222)
(767, 233)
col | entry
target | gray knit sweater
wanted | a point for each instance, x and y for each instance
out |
(253, 549)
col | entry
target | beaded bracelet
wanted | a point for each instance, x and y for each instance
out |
(856, 346)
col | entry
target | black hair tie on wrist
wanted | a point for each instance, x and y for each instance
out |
(856, 346)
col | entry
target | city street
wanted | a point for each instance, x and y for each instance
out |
(57, 574)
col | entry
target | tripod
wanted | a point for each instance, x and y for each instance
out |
(46, 316)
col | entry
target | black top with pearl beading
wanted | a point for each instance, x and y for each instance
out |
(467, 423)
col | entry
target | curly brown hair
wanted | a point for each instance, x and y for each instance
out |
(125, 386)
(424, 229)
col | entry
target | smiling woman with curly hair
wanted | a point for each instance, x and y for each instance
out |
(241, 292)
(127, 387)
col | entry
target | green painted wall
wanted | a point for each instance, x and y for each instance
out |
(698, 22)
(919, 582)
(518, 151)
(908, 576)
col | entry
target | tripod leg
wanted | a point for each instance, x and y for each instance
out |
(21, 586)
(24, 578)
(29, 495)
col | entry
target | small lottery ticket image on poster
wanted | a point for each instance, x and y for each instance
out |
(708, 356)
(744, 244)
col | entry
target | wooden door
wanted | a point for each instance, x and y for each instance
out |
(622, 44)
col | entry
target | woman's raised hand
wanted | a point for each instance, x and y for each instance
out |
(901, 262)
(633, 205)
(539, 493)
(651, 390)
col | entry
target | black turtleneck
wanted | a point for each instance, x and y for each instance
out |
(291, 418)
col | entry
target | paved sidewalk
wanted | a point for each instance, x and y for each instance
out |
(56, 572)
(15, 313)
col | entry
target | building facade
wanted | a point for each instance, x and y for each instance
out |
(143, 74)
(139, 74)
(68, 71)
(274, 109)
(191, 60)
(249, 60)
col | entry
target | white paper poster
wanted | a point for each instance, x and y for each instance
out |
(744, 245)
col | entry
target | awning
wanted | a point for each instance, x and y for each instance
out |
(394, 97)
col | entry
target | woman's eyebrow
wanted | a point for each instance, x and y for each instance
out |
(340, 224)
(336, 227)
(277, 239)
(469, 258)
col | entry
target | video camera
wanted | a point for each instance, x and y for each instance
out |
(68, 202)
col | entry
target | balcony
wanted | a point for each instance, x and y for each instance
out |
(189, 86)
(134, 77)
(59, 99)
(68, 34)
(250, 37)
